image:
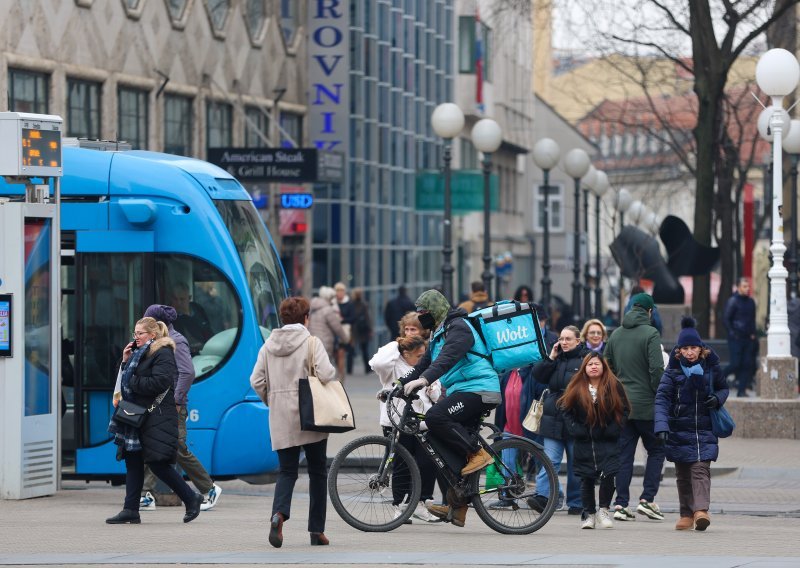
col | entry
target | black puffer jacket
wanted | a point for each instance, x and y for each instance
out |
(556, 375)
(596, 450)
(157, 372)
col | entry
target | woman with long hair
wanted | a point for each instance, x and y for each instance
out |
(595, 408)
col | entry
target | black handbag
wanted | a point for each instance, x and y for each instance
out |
(132, 414)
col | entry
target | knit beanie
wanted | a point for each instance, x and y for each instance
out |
(159, 312)
(688, 337)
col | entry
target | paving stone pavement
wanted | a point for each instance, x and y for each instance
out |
(755, 523)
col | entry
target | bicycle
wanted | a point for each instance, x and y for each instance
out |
(370, 474)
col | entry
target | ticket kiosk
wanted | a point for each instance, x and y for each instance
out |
(30, 156)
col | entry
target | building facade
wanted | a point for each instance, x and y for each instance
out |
(177, 76)
(367, 232)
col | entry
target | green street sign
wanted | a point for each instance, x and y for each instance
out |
(467, 191)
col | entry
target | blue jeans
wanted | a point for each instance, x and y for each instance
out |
(555, 451)
(628, 440)
(742, 364)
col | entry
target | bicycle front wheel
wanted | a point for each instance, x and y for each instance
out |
(502, 497)
(369, 487)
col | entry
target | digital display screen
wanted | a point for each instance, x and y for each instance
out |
(41, 148)
(5, 325)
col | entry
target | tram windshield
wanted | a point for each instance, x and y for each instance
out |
(258, 259)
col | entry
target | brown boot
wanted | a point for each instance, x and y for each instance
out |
(684, 524)
(701, 520)
(319, 539)
(276, 530)
(477, 461)
(459, 514)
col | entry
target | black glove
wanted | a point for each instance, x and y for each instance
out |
(662, 436)
(712, 401)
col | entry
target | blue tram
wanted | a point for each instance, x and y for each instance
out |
(139, 228)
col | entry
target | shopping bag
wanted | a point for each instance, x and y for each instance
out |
(324, 407)
(534, 417)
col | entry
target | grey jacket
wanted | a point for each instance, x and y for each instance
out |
(324, 323)
(183, 358)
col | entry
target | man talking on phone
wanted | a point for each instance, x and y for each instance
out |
(472, 384)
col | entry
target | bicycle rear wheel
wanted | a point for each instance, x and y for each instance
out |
(364, 482)
(501, 496)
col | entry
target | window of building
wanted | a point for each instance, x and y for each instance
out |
(218, 14)
(133, 116)
(556, 196)
(469, 155)
(255, 15)
(178, 125)
(28, 91)
(467, 47)
(219, 120)
(83, 108)
(292, 124)
(256, 123)
(133, 8)
(176, 8)
(289, 18)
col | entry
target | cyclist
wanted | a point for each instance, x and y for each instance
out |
(471, 382)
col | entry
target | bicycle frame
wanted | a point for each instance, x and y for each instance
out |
(458, 483)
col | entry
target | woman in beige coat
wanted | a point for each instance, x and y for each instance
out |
(282, 361)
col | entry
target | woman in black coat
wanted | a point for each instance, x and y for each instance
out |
(555, 372)
(147, 375)
(595, 409)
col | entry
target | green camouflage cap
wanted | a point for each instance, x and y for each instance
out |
(435, 303)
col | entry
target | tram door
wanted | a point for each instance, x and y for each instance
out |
(102, 298)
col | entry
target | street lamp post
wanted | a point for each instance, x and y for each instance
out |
(622, 201)
(487, 137)
(777, 74)
(587, 184)
(546, 154)
(576, 164)
(792, 146)
(447, 121)
(599, 189)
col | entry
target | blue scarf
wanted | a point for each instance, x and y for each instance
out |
(127, 437)
(695, 374)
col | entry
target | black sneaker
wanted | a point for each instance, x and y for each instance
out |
(575, 511)
(537, 502)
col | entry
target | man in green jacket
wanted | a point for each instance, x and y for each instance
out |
(634, 354)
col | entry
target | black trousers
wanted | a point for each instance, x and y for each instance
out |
(446, 419)
(134, 479)
(400, 476)
(587, 493)
(363, 348)
(289, 460)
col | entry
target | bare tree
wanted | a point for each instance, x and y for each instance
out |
(716, 34)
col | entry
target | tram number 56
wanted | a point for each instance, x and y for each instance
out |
(194, 415)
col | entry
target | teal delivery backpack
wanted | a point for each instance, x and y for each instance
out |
(510, 330)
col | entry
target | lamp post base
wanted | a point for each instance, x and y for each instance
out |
(776, 378)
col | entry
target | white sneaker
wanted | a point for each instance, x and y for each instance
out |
(623, 513)
(211, 498)
(604, 519)
(398, 510)
(423, 514)
(588, 522)
(147, 503)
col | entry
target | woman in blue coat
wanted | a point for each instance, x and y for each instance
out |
(691, 386)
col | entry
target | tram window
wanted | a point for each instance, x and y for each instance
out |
(258, 259)
(209, 312)
(112, 304)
